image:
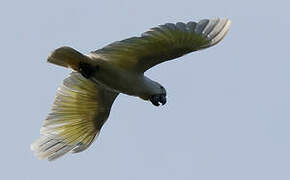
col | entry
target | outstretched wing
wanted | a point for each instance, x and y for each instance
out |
(80, 109)
(164, 43)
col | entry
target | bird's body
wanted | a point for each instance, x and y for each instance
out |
(83, 102)
(119, 80)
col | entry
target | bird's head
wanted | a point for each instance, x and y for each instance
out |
(159, 96)
(152, 91)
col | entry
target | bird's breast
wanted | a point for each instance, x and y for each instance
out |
(119, 80)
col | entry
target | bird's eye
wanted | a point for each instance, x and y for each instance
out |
(161, 87)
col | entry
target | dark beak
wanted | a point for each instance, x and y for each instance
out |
(159, 98)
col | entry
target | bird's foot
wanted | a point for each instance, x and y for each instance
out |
(158, 98)
(87, 70)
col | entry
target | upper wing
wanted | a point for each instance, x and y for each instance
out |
(164, 43)
(79, 110)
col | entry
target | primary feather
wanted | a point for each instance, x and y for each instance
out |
(79, 110)
(163, 43)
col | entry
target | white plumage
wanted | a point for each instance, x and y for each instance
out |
(83, 101)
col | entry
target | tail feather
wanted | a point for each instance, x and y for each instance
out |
(68, 57)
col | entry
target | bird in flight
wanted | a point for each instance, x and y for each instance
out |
(83, 101)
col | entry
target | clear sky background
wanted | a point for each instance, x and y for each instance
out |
(227, 116)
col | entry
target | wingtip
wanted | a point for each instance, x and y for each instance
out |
(216, 30)
(225, 23)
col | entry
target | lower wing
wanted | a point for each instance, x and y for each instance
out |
(80, 109)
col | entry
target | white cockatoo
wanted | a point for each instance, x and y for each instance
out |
(83, 101)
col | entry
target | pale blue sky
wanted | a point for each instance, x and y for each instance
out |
(227, 116)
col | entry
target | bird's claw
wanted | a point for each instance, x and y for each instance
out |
(158, 98)
(87, 70)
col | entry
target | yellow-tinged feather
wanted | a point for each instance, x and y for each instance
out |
(163, 43)
(76, 118)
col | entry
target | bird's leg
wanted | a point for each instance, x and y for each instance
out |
(87, 70)
(158, 98)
